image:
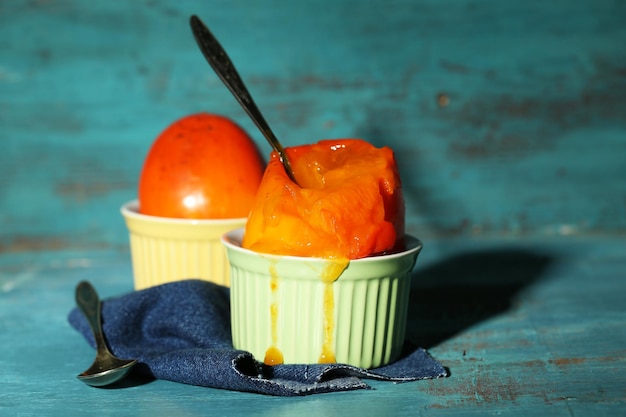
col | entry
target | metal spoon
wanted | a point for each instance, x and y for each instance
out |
(225, 70)
(106, 368)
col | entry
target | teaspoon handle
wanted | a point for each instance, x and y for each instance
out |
(225, 70)
(89, 303)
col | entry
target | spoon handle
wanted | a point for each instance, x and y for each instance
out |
(225, 70)
(89, 303)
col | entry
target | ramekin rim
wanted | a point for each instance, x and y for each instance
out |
(129, 210)
(417, 247)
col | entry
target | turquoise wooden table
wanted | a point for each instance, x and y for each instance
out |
(509, 122)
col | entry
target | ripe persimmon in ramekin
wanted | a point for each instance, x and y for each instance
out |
(198, 181)
(322, 272)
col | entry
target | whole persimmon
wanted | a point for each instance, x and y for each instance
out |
(202, 166)
(348, 202)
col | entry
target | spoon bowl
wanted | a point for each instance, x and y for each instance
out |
(222, 65)
(106, 371)
(106, 368)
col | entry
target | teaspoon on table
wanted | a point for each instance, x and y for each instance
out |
(225, 70)
(106, 368)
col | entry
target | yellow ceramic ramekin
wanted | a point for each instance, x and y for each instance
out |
(281, 308)
(166, 249)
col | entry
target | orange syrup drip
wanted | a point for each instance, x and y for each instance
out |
(330, 274)
(273, 355)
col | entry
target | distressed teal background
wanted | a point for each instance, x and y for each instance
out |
(508, 119)
(531, 141)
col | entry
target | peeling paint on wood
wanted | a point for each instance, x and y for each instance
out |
(502, 123)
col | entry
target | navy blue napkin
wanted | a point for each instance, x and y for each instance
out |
(181, 332)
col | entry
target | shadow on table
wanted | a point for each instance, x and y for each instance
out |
(458, 292)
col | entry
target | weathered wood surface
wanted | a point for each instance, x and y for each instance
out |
(526, 328)
(509, 122)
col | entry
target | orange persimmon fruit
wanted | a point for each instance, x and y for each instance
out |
(348, 203)
(202, 166)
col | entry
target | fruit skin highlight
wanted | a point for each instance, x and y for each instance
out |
(203, 166)
(349, 204)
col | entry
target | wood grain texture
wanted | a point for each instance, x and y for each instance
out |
(508, 119)
(532, 328)
(505, 116)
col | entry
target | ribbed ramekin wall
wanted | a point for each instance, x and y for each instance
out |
(157, 261)
(369, 317)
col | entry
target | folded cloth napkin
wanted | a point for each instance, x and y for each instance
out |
(180, 332)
